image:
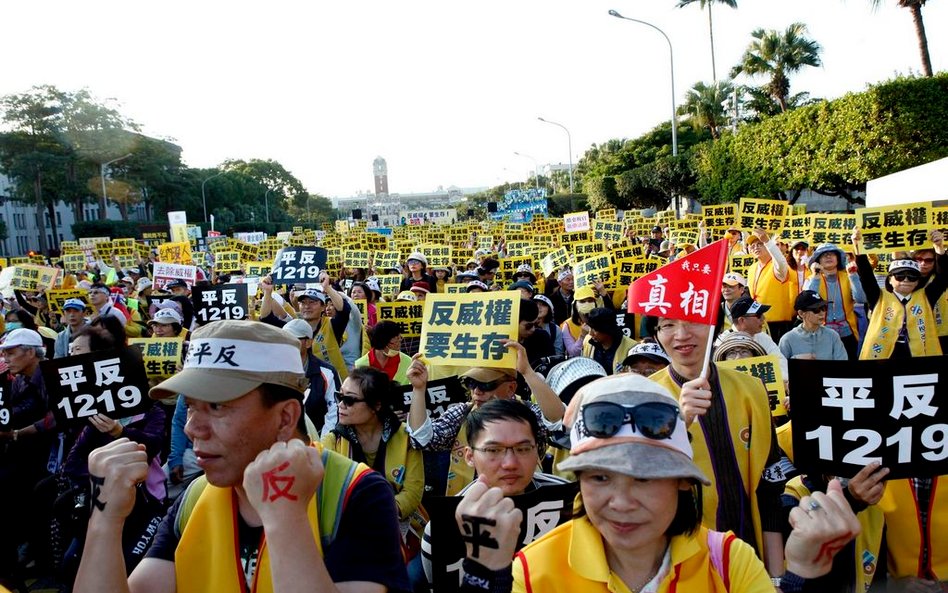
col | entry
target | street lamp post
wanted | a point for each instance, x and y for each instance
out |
(569, 140)
(266, 202)
(536, 168)
(203, 196)
(102, 203)
(671, 59)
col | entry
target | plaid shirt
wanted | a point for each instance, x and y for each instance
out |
(445, 428)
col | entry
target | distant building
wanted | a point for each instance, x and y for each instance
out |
(380, 172)
(23, 233)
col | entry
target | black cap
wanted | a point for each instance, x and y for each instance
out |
(177, 283)
(745, 306)
(656, 229)
(603, 320)
(807, 300)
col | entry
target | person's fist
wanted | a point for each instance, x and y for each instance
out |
(115, 470)
(695, 399)
(417, 372)
(282, 479)
(489, 524)
(822, 525)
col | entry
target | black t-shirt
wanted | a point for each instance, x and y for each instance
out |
(366, 547)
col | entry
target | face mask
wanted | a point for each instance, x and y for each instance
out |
(585, 308)
(12, 325)
(390, 353)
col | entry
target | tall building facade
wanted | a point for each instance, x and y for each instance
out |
(380, 172)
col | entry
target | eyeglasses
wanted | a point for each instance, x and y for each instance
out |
(496, 453)
(529, 325)
(348, 400)
(925, 260)
(821, 309)
(654, 420)
(473, 384)
(905, 277)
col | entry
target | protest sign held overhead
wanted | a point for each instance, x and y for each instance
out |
(165, 273)
(905, 227)
(688, 288)
(405, 313)
(767, 369)
(214, 303)
(298, 265)
(576, 221)
(107, 382)
(6, 407)
(466, 329)
(890, 411)
(162, 356)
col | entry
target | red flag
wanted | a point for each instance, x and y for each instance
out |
(688, 288)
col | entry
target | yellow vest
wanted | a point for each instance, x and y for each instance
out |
(904, 537)
(206, 558)
(750, 424)
(767, 290)
(886, 321)
(868, 541)
(396, 455)
(326, 348)
(842, 280)
(621, 352)
(572, 558)
(460, 474)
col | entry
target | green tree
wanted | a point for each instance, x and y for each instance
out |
(279, 185)
(916, 7)
(709, 4)
(777, 55)
(706, 104)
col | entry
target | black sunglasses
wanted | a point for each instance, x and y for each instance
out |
(820, 309)
(347, 399)
(473, 384)
(906, 277)
(654, 420)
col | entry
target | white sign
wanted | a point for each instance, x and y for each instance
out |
(165, 273)
(576, 222)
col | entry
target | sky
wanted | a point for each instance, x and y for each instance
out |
(446, 91)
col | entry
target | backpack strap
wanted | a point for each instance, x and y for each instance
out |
(189, 499)
(719, 547)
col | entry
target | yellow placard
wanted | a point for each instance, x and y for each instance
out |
(592, 270)
(405, 313)
(357, 258)
(797, 229)
(832, 228)
(754, 213)
(905, 227)
(607, 231)
(256, 269)
(554, 261)
(57, 296)
(33, 278)
(227, 261)
(162, 356)
(739, 264)
(509, 265)
(74, 262)
(390, 284)
(175, 253)
(630, 269)
(767, 369)
(467, 329)
(439, 256)
(717, 219)
(386, 260)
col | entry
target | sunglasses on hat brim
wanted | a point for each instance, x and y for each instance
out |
(654, 420)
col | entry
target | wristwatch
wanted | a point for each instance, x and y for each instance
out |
(775, 581)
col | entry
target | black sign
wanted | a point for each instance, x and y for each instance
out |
(626, 322)
(109, 382)
(847, 414)
(6, 408)
(543, 509)
(298, 265)
(441, 394)
(214, 303)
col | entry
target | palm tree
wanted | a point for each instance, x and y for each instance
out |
(705, 104)
(916, 7)
(708, 3)
(778, 55)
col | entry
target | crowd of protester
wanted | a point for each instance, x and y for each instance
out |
(299, 471)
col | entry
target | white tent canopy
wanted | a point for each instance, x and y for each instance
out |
(925, 183)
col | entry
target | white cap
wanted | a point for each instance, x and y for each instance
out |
(166, 316)
(299, 329)
(21, 337)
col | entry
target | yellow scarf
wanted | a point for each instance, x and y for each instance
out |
(326, 348)
(887, 318)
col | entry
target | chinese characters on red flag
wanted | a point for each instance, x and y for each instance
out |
(688, 288)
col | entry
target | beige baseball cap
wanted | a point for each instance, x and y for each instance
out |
(228, 359)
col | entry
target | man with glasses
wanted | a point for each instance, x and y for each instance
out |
(811, 340)
(101, 300)
(504, 437)
(733, 436)
(448, 433)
